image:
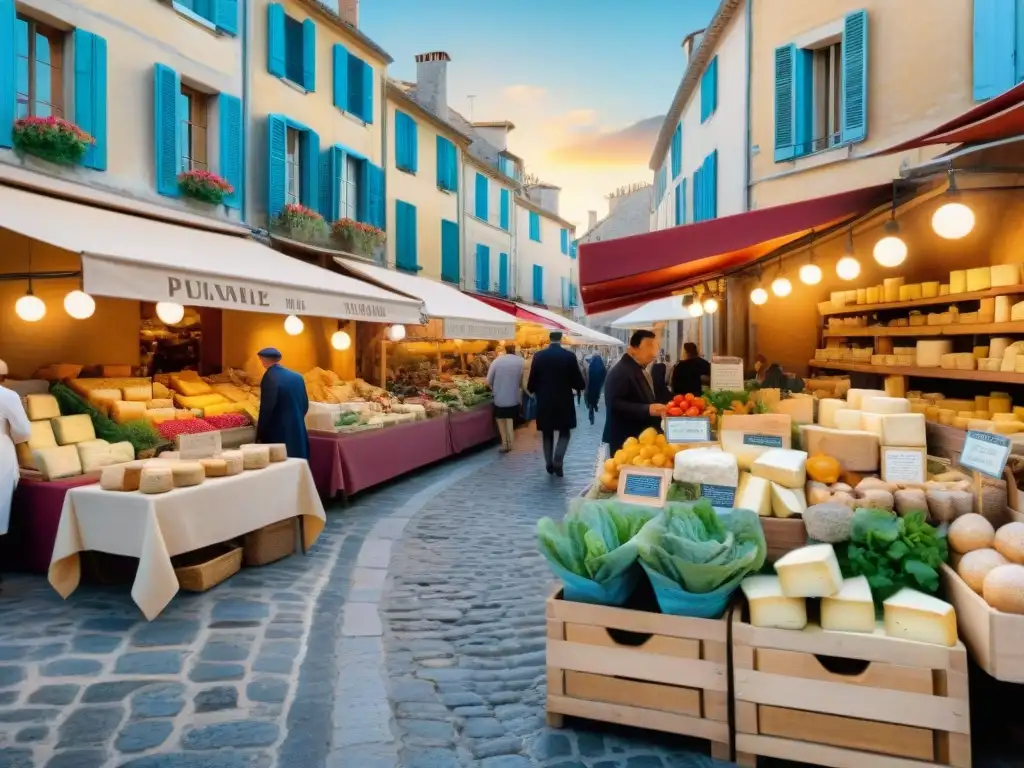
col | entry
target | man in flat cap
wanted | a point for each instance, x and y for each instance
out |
(283, 406)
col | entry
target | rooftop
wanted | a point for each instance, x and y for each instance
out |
(315, 6)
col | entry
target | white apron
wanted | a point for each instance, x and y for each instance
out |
(14, 428)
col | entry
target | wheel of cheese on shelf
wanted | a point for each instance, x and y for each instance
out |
(234, 460)
(214, 467)
(40, 407)
(278, 452)
(881, 404)
(57, 463)
(156, 478)
(122, 477)
(187, 473)
(40, 436)
(255, 456)
(73, 429)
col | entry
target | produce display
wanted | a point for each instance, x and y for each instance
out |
(460, 393)
(990, 560)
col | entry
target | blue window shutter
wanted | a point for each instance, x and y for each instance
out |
(803, 102)
(8, 86)
(405, 239)
(503, 274)
(309, 178)
(483, 268)
(565, 291)
(376, 198)
(698, 195)
(679, 203)
(340, 59)
(406, 140)
(91, 95)
(538, 284)
(324, 188)
(572, 250)
(563, 237)
(232, 164)
(309, 55)
(275, 40)
(367, 93)
(855, 77)
(414, 146)
(225, 16)
(277, 150)
(677, 150)
(714, 85)
(994, 47)
(682, 205)
(166, 136)
(480, 197)
(450, 251)
(785, 103)
(503, 213)
(447, 169)
(713, 185)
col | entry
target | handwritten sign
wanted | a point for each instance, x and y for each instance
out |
(986, 453)
(904, 465)
(718, 495)
(726, 374)
(686, 429)
(204, 445)
(644, 485)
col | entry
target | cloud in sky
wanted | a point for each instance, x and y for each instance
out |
(629, 146)
(525, 93)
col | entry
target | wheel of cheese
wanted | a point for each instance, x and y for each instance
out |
(214, 467)
(975, 566)
(970, 532)
(279, 451)
(156, 479)
(187, 473)
(1009, 542)
(1004, 588)
(234, 462)
(255, 456)
(121, 477)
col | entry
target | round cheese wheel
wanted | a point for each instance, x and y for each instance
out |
(187, 473)
(278, 451)
(1009, 542)
(975, 565)
(1003, 588)
(234, 461)
(970, 532)
(156, 479)
(255, 456)
(214, 467)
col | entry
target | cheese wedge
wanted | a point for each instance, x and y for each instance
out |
(851, 609)
(782, 466)
(788, 502)
(755, 494)
(913, 615)
(769, 607)
(811, 571)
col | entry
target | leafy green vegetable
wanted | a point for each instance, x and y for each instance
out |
(893, 552)
(700, 549)
(683, 492)
(140, 434)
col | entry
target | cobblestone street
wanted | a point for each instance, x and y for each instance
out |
(412, 635)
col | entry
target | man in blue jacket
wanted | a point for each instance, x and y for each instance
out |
(283, 406)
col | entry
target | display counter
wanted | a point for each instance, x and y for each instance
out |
(35, 517)
(472, 428)
(325, 463)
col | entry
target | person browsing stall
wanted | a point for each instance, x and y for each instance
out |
(691, 373)
(505, 378)
(14, 428)
(283, 406)
(629, 393)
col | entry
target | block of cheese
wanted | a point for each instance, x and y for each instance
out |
(958, 281)
(1017, 311)
(799, 407)
(40, 436)
(929, 290)
(188, 386)
(872, 294)
(56, 463)
(1006, 416)
(783, 466)
(234, 461)
(871, 422)
(914, 291)
(73, 429)
(904, 430)
(930, 351)
(1005, 274)
(92, 446)
(855, 397)
(156, 478)
(123, 451)
(747, 437)
(980, 352)
(913, 615)
(103, 397)
(878, 404)
(140, 393)
(255, 456)
(981, 425)
(811, 571)
(214, 467)
(160, 391)
(827, 408)
(714, 470)
(755, 494)
(965, 361)
(164, 402)
(851, 609)
(1002, 310)
(891, 289)
(944, 289)
(904, 465)
(187, 473)
(979, 279)
(182, 414)
(159, 415)
(896, 386)
(122, 477)
(788, 502)
(278, 452)
(856, 451)
(862, 295)
(124, 411)
(769, 607)
(847, 419)
(39, 407)
(948, 362)
(999, 402)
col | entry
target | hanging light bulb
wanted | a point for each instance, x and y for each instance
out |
(293, 325)
(890, 251)
(169, 312)
(848, 268)
(30, 307)
(759, 296)
(781, 287)
(810, 273)
(341, 340)
(695, 309)
(710, 305)
(953, 220)
(397, 332)
(79, 304)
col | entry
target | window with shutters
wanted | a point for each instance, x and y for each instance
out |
(348, 193)
(535, 226)
(193, 107)
(39, 75)
(293, 53)
(292, 168)
(200, 8)
(998, 49)
(827, 73)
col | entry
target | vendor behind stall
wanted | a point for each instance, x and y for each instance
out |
(14, 428)
(283, 406)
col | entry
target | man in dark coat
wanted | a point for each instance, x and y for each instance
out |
(629, 393)
(554, 377)
(659, 375)
(283, 406)
(691, 373)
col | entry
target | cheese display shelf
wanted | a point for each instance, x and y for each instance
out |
(946, 298)
(969, 329)
(995, 377)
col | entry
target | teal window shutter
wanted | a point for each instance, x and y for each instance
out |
(698, 195)
(377, 199)
(446, 164)
(166, 136)
(309, 173)
(405, 238)
(564, 241)
(565, 291)
(367, 93)
(483, 268)
(406, 139)
(503, 274)
(91, 95)
(709, 90)
(340, 62)
(855, 77)
(535, 226)
(225, 16)
(232, 164)
(480, 197)
(309, 55)
(275, 40)
(504, 206)
(8, 81)
(785, 103)
(573, 250)
(277, 151)
(712, 185)
(994, 47)
(677, 150)
(327, 182)
(450, 251)
(680, 202)
(538, 284)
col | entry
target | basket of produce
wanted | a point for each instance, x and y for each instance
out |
(206, 568)
(270, 543)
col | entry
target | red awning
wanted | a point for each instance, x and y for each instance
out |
(998, 118)
(520, 314)
(631, 270)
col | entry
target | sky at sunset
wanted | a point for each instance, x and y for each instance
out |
(586, 82)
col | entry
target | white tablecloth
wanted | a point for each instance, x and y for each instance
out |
(155, 527)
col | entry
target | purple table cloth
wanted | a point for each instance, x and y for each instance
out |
(376, 456)
(472, 428)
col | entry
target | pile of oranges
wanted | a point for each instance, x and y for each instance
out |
(650, 449)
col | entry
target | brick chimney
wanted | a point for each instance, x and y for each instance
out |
(432, 82)
(349, 11)
(591, 220)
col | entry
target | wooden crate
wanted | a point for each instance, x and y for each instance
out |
(671, 675)
(904, 706)
(783, 535)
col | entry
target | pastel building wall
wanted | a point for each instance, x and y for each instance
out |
(490, 229)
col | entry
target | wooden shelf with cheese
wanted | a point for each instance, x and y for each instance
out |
(952, 298)
(960, 329)
(997, 377)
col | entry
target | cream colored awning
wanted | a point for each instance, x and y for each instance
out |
(127, 256)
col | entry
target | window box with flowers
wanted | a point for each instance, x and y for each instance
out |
(299, 223)
(204, 186)
(51, 138)
(356, 237)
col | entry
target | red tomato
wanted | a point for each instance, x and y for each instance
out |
(677, 400)
(691, 411)
(674, 411)
(698, 402)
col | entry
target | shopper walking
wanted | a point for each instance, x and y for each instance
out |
(629, 393)
(691, 373)
(14, 428)
(596, 374)
(505, 378)
(554, 377)
(283, 406)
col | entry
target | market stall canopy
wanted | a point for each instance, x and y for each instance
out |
(463, 317)
(521, 314)
(581, 332)
(129, 257)
(628, 270)
(664, 310)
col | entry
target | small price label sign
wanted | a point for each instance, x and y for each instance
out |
(647, 486)
(204, 445)
(986, 453)
(687, 429)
